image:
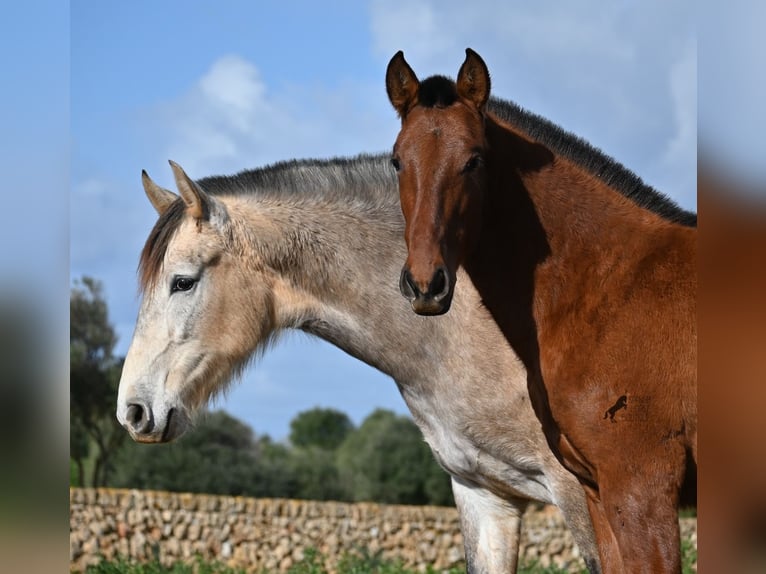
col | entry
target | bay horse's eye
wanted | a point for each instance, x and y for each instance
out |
(472, 163)
(182, 284)
(395, 163)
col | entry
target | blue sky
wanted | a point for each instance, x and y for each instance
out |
(224, 86)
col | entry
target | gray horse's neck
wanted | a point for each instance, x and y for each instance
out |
(349, 261)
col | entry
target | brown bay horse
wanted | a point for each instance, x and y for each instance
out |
(314, 245)
(590, 275)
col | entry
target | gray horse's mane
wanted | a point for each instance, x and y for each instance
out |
(365, 183)
(365, 180)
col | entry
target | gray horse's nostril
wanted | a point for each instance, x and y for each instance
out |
(139, 418)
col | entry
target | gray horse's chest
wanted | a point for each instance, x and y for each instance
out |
(513, 473)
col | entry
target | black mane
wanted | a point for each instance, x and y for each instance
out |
(576, 149)
(440, 91)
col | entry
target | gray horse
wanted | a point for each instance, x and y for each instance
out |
(314, 245)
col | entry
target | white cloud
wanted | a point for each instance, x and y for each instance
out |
(230, 120)
(227, 113)
(234, 87)
(416, 25)
(434, 33)
(676, 169)
(683, 89)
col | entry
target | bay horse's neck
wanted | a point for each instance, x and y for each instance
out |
(550, 231)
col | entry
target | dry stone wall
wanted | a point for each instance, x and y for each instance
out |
(273, 534)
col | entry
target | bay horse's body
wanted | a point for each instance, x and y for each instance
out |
(314, 246)
(590, 275)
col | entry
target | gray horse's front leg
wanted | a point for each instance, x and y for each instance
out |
(491, 528)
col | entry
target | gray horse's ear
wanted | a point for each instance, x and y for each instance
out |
(160, 197)
(196, 200)
(473, 82)
(401, 84)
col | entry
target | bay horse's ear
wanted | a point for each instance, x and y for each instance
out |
(160, 197)
(473, 80)
(197, 201)
(401, 84)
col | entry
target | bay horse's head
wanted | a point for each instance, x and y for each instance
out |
(439, 155)
(200, 315)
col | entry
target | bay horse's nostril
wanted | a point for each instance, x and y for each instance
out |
(139, 418)
(439, 287)
(407, 285)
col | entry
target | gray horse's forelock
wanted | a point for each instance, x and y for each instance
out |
(153, 253)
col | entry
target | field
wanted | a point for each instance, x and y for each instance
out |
(361, 563)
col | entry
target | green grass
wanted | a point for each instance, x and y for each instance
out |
(122, 566)
(360, 562)
(688, 557)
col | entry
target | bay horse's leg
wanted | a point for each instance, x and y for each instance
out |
(642, 509)
(608, 550)
(491, 528)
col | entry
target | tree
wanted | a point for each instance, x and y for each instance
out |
(315, 434)
(324, 428)
(220, 455)
(315, 474)
(386, 460)
(94, 378)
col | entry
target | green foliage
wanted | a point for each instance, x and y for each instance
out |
(122, 566)
(220, 456)
(274, 477)
(386, 460)
(688, 557)
(315, 473)
(536, 568)
(93, 380)
(318, 427)
(315, 434)
(361, 561)
(312, 563)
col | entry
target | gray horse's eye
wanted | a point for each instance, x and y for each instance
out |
(182, 284)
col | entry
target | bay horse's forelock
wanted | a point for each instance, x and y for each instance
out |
(591, 276)
(323, 238)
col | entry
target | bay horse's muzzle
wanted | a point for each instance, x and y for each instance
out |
(434, 298)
